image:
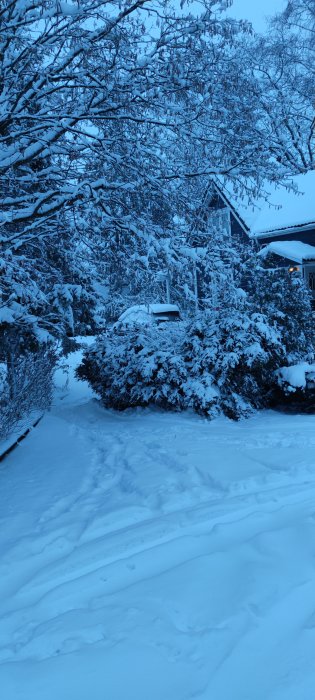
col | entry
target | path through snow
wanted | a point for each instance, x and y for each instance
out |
(149, 556)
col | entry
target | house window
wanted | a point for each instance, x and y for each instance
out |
(294, 268)
(311, 281)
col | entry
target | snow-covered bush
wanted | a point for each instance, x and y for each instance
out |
(299, 377)
(235, 353)
(285, 300)
(27, 361)
(26, 382)
(294, 387)
(226, 359)
(215, 365)
(137, 368)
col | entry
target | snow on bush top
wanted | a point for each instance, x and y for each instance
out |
(296, 376)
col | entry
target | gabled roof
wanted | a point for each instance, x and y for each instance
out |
(292, 250)
(285, 208)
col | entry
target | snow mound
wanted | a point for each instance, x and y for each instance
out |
(297, 376)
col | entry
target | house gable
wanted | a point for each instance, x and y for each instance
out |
(286, 209)
(289, 214)
(238, 226)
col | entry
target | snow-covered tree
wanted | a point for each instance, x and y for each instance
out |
(283, 61)
(295, 28)
(107, 110)
(99, 104)
(90, 119)
(284, 298)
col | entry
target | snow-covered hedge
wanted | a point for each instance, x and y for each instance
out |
(296, 386)
(213, 365)
(26, 387)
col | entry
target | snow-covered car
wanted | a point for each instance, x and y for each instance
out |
(147, 314)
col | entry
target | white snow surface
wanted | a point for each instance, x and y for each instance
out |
(153, 556)
(293, 250)
(281, 208)
(297, 375)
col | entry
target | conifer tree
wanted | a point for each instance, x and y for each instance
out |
(285, 299)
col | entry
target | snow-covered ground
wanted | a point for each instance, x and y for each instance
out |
(151, 556)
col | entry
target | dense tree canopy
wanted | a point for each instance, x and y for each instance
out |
(286, 69)
(114, 116)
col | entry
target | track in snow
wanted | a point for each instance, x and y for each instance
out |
(153, 556)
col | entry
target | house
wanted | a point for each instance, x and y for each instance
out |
(282, 222)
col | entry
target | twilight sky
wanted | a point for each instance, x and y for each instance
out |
(256, 11)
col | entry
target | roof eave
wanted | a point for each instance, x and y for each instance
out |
(283, 231)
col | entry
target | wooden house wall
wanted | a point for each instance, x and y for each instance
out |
(237, 230)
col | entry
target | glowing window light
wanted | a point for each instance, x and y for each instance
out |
(294, 268)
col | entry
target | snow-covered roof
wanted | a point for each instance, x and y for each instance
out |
(280, 210)
(293, 250)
